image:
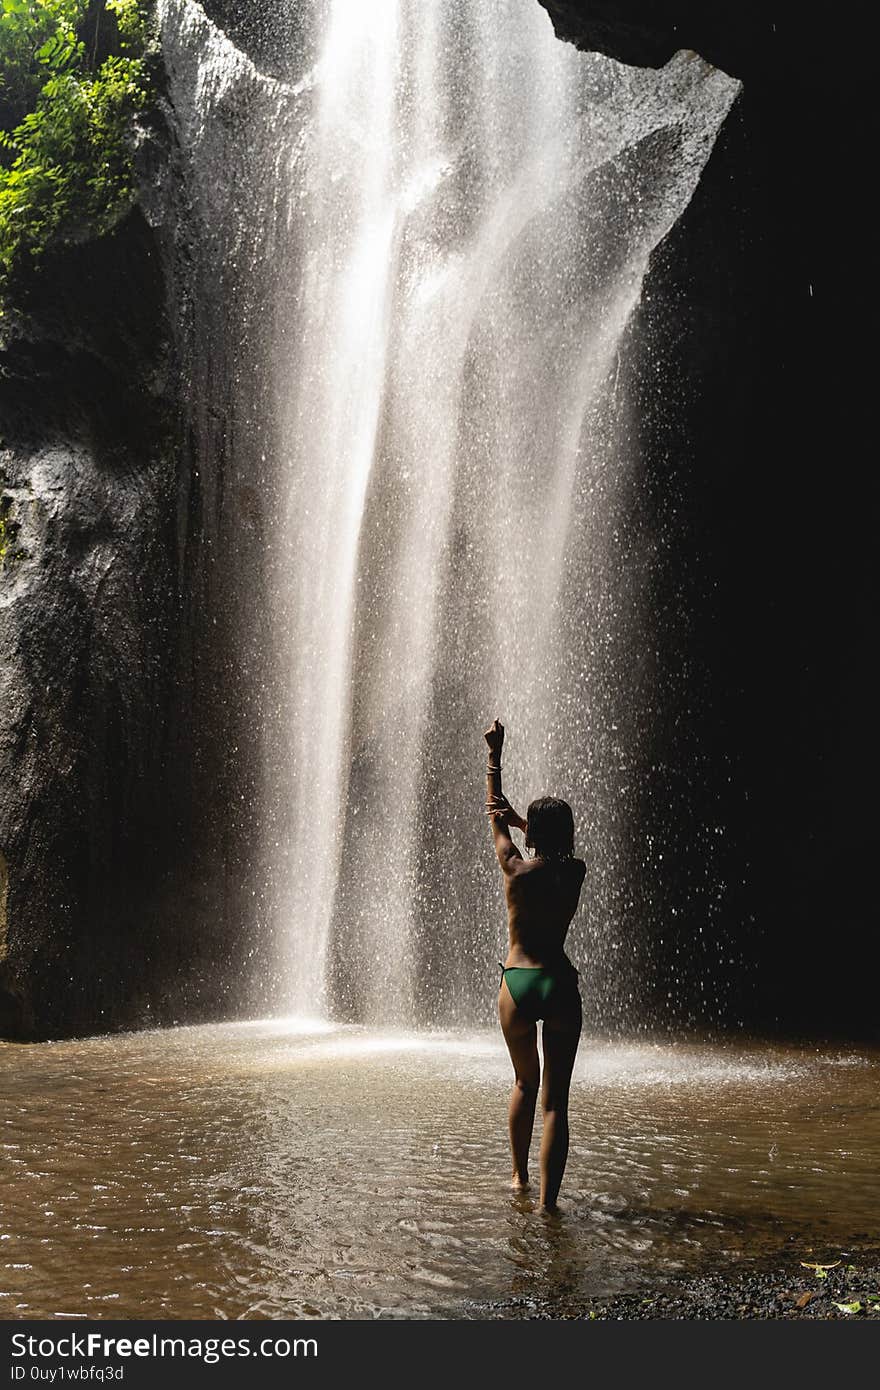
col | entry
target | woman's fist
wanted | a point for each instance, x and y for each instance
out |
(495, 737)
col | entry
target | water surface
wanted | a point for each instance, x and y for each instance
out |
(281, 1169)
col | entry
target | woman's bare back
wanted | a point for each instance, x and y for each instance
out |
(542, 898)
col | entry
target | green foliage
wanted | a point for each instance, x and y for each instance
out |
(72, 80)
(131, 18)
(25, 29)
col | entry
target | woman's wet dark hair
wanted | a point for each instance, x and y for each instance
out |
(550, 828)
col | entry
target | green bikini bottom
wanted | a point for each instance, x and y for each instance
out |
(538, 990)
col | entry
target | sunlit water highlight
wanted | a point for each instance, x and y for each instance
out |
(279, 1169)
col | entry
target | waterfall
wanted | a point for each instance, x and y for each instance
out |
(458, 213)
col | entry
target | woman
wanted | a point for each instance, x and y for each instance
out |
(538, 980)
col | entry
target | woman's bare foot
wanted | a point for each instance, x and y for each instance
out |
(518, 1184)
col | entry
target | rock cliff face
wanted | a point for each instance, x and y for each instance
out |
(86, 624)
(744, 39)
(129, 606)
(754, 416)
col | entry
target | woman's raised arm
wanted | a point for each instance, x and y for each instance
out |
(501, 813)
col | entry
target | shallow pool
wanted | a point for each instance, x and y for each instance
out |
(285, 1169)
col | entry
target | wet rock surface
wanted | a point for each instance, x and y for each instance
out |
(122, 883)
(86, 616)
(646, 34)
(272, 35)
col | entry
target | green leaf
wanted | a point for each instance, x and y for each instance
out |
(855, 1307)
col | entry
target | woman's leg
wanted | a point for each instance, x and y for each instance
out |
(562, 1031)
(521, 1036)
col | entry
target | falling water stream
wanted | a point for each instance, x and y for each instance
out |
(455, 216)
(476, 204)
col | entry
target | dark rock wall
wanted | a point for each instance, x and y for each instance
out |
(130, 612)
(86, 624)
(754, 417)
(742, 38)
(222, 437)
